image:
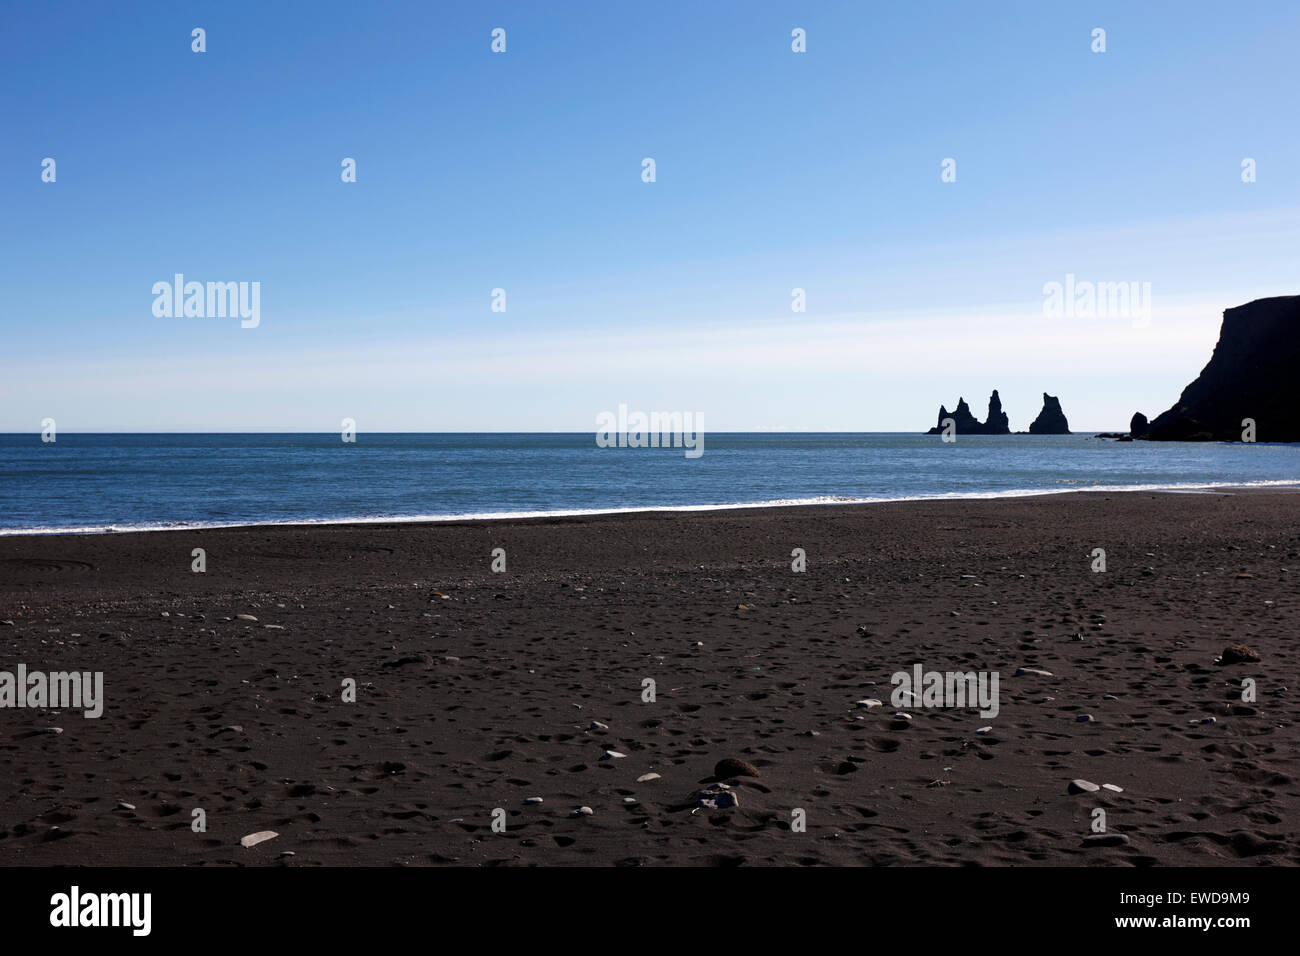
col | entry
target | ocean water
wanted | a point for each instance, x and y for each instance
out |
(101, 482)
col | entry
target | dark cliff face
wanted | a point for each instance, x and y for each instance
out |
(1051, 420)
(1254, 373)
(966, 423)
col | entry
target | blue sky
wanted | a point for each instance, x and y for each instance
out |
(522, 171)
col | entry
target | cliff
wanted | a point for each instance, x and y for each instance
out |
(1253, 373)
(1051, 420)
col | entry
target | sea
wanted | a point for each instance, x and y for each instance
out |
(130, 482)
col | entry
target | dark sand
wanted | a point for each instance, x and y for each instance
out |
(476, 689)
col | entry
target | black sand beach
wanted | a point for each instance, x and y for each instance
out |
(477, 690)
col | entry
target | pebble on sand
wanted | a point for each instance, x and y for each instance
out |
(533, 800)
(261, 836)
(1238, 654)
(597, 725)
(647, 777)
(716, 799)
(1023, 671)
(583, 812)
(1112, 788)
(870, 702)
(1105, 839)
(1083, 786)
(612, 755)
(731, 767)
(984, 730)
(245, 617)
(1084, 719)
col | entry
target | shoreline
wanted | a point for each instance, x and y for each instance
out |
(388, 521)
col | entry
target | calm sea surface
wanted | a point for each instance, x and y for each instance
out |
(99, 482)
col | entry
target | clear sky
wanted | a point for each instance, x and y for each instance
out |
(522, 170)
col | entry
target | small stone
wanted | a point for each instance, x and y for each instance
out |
(647, 777)
(1112, 788)
(984, 730)
(1025, 671)
(612, 755)
(869, 703)
(1209, 720)
(533, 800)
(583, 812)
(1084, 719)
(731, 767)
(273, 627)
(1110, 697)
(1083, 786)
(902, 716)
(1105, 839)
(630, 800)
(1238, 654)
(261, 836)
(7, 623)
(123, 805)
(597, 725)
(245, 617)
(716, 800)
(52, 730)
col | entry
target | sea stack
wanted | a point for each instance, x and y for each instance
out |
(1051, 420)
(997, 422)
(966, 423)
(1251, 375)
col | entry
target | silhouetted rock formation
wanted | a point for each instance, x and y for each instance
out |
(1051, 420)
(1252, 374)
(1138, 426)
(997, 422)
(967, 424)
